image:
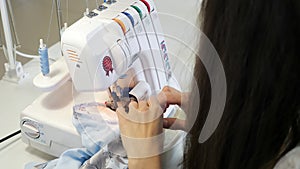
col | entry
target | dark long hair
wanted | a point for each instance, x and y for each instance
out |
(257, 43)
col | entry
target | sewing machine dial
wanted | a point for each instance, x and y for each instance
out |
(30, 128)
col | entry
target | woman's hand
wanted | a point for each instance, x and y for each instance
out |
(143, 120)
(142, 133)
(169, 96)
(142, 127)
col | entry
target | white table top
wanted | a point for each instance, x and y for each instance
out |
(14, 154)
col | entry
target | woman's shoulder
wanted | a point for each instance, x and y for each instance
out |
(290, 161)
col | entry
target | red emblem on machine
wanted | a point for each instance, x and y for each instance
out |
(107, 65)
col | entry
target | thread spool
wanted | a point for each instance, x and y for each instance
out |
(44, 61)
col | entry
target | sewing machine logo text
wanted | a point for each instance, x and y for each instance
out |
(107, 65)
(166, 59)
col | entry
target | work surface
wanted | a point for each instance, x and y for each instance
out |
(14, 154)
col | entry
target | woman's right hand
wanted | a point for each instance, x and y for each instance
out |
(171, 96)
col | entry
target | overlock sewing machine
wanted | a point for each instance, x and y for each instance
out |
(114, 52)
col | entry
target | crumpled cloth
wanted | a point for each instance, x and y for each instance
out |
(102, 146)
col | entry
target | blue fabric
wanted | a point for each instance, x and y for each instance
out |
(47, 165)
(72, 159)
(97, 129)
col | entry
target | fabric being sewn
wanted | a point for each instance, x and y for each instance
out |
(102, 146)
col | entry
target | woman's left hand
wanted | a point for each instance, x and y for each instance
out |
(143, 120)
(142, 133)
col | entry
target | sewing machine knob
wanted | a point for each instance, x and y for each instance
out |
(30, 130)
(111, 1)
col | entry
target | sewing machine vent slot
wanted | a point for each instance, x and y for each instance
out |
(73, 56)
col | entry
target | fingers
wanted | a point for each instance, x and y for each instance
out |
(153, 101)
(142, 112)
(143, 106)
(168, 96)
(162, 99)
(133, 104)
(174, 124)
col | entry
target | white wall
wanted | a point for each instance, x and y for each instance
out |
(32, 19)
(179, 20)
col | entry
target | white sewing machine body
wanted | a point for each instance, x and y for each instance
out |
(101, 48)
(122, 38)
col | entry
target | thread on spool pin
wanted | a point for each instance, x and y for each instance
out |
(44, 61)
